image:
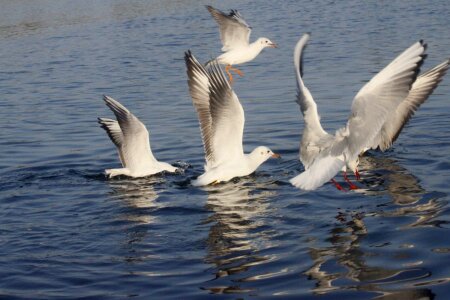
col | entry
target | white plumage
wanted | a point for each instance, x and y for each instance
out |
(379, 112)
(221, 118)
(132, 141)
(235, 36)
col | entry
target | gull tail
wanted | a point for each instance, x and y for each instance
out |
(321, 171)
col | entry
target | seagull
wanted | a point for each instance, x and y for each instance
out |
(379, 112)
(132, 141)
(221, 118)
(235, 35)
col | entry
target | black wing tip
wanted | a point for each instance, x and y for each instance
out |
(107, 98)
(214, 11)
(103, 123)
(233, 12)
(190, 59)
(187, 55)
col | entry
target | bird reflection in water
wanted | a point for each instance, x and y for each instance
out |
(386, 176)
(345, 259)
(237, 233)
(137, 204)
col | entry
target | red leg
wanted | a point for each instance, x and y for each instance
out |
(357, 175)
(227, 70)
(338, 186)
(239, 72)
(352, 186)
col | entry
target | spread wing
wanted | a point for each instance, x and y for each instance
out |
(377, 99)
(222, 130)
(198, 83)
(114, 132)
(419, 93)
(234, 31)
(370, 109)
(314, 138)
(133, 143)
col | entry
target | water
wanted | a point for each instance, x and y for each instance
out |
(67, 232)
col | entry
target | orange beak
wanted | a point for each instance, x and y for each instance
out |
(276, 155)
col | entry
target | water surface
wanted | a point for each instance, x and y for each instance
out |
(67, 232)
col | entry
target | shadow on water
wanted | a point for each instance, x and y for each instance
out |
(345, 264)
(237, 234)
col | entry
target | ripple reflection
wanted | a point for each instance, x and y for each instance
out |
(238, 232)
(349, 257)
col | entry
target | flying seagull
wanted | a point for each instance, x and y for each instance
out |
(235, 35)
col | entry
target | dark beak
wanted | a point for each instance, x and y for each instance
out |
(273, 45)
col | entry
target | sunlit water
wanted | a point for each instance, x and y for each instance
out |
(67, 232)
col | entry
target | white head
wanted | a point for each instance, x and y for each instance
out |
(265, 42)
(261, 154)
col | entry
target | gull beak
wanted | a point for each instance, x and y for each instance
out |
(273, 45)
(276, 155)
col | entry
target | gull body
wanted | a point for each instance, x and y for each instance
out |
(131, 139)
(235, 38)
(221, 118)
(379, 112)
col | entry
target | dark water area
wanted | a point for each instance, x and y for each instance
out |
(67, 232)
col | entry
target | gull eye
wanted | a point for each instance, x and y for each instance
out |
(268, 151)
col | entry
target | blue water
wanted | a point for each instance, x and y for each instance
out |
(67, 232)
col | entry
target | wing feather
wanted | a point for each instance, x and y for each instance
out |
(419, 93)
(227, 117)
(234, 31)
(135, 148)
(220, 113)
(113, 130)
(198, 83)
(314, 138)
(380, 96)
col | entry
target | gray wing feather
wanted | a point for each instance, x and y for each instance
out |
(220, 113)
(134, 148)
(380, 96)
(113, 130)
(234, 31)
(198, 83)
(419, 93)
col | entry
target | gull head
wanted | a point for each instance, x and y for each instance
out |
(262, 153)
(265, 42)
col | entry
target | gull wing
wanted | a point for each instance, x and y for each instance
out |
(134, 147)
(370, 109)
(419, 93)
(234, 31)
(114, 132)
(222, 131)
(377, 99)
(314, 138)
(198, 83)
(305, 100)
